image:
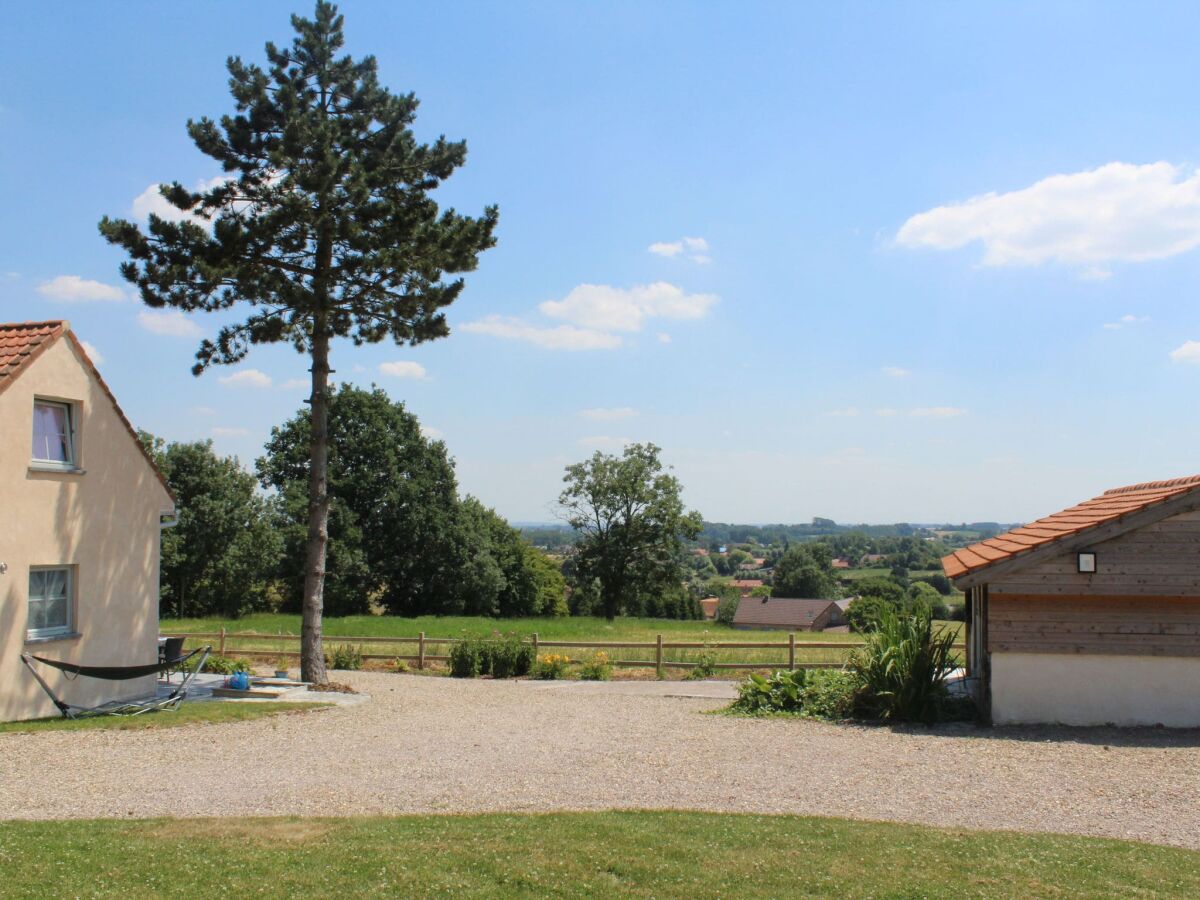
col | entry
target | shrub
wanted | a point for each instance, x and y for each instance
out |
(597, 668)
(781, 692)
(345, 656)
(509, 657)
(400, 665)
(551, 666)
(466, 659)
(218, 665)
(706, 667)
(902, 667)
(829, 694)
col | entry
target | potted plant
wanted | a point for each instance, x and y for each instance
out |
(281, 667)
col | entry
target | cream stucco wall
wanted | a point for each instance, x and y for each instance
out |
(103, 522)
(1095, 689)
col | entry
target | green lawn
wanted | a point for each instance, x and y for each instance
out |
(187, 714)
(263, 626)
(627, 854)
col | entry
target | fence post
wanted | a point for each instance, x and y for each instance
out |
(221, 651)
(535, 645)
(791, 650)
(658, 656)
(421, 650)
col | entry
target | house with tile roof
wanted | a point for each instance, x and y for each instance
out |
(83, 507)
(1091, 615)
(784, 613)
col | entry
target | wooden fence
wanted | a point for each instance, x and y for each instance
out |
(791, 652)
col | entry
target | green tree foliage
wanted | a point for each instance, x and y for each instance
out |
(221, 555)
(324, 228)
(630, 515)
(923, 597)
(398, 534)
(805, 570)
(884, 588)
(864, 612)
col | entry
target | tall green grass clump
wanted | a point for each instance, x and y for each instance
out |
(902, 667)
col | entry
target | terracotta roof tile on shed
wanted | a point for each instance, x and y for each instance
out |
(1108, 507)
(21, 343)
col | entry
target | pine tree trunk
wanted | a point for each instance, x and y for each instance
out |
(312, 653)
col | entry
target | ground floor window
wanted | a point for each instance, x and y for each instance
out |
(49, 601)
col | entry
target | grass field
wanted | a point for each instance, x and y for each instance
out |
(628, 854)
(265, 625)
(187, 714)
(258, 634)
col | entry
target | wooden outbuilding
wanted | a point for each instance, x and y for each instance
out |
(1091, 615)
(784, 613)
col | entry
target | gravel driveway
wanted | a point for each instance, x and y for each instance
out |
(440, 745)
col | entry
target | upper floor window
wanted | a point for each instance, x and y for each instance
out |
(53, 441)
(49, 602)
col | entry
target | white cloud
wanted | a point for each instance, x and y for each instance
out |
(73, 289)
(223, 431)
(604, 441)
(170, 322)
(151, 201)
(606, 308)
(1126, 321)
(404, 369)
(694, 248)
(937, 412)
(608, 414)
(431, 433)
(666, 248)
(93, 354)
(848, 412)
(560, 337)
(593, 312)
(1120, 212)
(247, 378)
(1187, 352)
(895, 372)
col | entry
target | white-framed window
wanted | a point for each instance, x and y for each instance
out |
(53, 434)
(51, 600)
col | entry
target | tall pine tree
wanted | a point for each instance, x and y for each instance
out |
(324, 228)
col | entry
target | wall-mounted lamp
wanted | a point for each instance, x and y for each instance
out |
(1087, 563)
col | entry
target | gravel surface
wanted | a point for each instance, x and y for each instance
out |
(439, 745)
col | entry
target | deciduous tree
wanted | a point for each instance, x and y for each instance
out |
(222, 553)
(629, 511)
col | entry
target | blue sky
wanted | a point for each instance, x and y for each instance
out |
(941, 264)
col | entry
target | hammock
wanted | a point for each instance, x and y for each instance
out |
(119, 673)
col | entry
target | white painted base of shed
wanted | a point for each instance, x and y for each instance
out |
(1090, 689)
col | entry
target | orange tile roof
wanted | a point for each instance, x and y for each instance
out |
(1108, 507)
(23, 342)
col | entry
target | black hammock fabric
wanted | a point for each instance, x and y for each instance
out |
(114, 673)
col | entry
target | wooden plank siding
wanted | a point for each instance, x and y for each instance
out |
(1157, 560)
(1129, 625)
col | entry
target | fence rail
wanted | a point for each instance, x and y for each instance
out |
(792, 653)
